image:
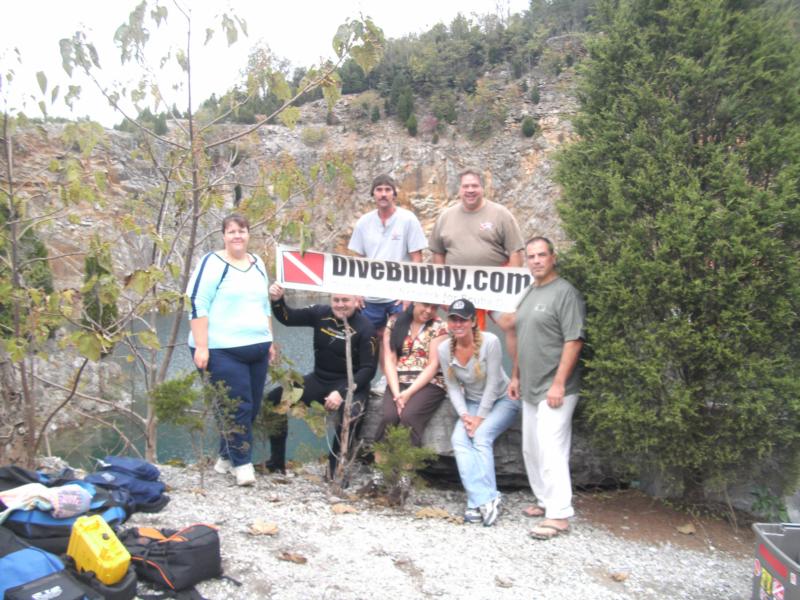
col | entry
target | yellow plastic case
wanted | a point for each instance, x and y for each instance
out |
(95, 547)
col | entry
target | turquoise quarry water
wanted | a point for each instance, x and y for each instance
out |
(80, 446)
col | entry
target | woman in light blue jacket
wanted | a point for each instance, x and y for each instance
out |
(231, 338)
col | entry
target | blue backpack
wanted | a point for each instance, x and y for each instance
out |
(39, 528)
(21, 562)
(138, 477)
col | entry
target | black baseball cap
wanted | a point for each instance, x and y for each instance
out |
(461, 308)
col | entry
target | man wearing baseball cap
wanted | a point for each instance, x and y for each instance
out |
(389, 232)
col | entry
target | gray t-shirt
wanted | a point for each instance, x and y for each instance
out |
(466, 385)
(485, 238)
(401, 235)
(547, 316)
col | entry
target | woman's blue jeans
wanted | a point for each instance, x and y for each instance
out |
(475, 455)
(244, 371)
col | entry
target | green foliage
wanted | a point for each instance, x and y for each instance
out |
(313, 136)
(273, 419)
(487, 110)
(411, 125)
(175, 402)
(769, 506)
(405, 104)
(397, 459)
(535, 94)
(35, 276)
(354, 80)
(529, 127)
(100, 293)
(452, 58)
(376, 114)
(443, 106)
(155, 123)
(681, 198)
(181, 402)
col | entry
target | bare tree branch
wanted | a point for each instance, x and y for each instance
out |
(127, 412)
(58, 408)
(113, 426)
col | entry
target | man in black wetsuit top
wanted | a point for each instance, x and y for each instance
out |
(327, 383)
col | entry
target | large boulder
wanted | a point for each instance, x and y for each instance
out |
(588, 469)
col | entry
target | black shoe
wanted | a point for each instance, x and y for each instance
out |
(271, 467)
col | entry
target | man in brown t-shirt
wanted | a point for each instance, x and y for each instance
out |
(476, 232)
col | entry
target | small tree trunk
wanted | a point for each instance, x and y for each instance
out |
(12, 444)
(344, 459)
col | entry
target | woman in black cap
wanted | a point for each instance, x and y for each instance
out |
(476, 385)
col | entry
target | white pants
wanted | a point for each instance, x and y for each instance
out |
(546, 440)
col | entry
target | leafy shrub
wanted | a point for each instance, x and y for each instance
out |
(411, 125)
(313, 136)
(529, 127)
(398, 460)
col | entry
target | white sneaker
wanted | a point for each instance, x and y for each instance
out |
(223, 466)
(245, 474)
(490, 511)
(472, 515)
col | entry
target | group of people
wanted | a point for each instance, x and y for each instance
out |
(423, 357)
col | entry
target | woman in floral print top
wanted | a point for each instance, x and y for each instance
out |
(414, 383)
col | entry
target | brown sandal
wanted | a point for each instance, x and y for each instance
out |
(533, 511)
(548, 532)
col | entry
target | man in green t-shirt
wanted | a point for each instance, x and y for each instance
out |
(550, 321)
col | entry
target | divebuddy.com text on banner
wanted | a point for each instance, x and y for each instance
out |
(491, 288)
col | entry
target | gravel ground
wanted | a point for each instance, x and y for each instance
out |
(379, 552)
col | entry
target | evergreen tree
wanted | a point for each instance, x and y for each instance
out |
(405, 104)
(682, 199)
(411, 125)
(529, 127)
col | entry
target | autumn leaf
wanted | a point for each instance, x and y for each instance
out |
(431, 512)
(294, 557)
(260, 527)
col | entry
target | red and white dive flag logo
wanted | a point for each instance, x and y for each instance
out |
(307, 269)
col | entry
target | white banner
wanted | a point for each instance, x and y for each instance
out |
(492, 288)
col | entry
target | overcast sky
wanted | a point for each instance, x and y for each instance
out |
(299, 30)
